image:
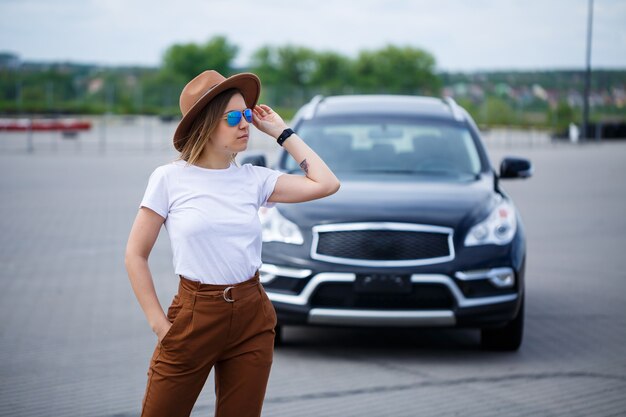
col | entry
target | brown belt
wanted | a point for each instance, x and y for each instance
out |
(230, 293)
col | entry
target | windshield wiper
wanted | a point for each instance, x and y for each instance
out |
(386, 171)
(417, 171)
(412, 171)
(401, 171)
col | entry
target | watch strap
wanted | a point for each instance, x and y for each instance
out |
(283, 136)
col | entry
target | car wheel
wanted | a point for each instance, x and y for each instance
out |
(508, 337)
(278, 338)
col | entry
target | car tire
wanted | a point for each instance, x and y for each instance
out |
(507, 338)
(278, 338)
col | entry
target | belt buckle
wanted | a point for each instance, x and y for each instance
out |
(226, 297)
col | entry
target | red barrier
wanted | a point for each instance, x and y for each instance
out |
(67, 125)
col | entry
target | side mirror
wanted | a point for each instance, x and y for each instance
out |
(258, 160)
(515, 168)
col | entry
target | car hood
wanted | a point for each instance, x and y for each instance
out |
(398, 198)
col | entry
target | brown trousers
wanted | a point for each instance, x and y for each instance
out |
(209, 330)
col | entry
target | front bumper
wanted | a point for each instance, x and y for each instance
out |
(300, 304)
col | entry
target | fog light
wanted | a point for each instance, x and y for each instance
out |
(269, 272)
(502, 280)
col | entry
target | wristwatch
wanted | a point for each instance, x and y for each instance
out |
(283, 136)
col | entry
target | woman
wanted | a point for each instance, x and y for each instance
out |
(221, 317)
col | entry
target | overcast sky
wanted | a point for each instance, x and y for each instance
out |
(461, 34)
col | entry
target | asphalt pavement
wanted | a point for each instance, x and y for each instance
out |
(74, 341)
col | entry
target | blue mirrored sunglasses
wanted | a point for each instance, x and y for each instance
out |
(234, 117)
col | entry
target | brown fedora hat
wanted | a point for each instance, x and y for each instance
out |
(203, 88)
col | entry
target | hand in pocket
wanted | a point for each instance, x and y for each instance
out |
(162, 331)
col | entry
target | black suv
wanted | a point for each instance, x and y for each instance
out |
(420, 233)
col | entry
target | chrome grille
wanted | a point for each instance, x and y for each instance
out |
(382, 244)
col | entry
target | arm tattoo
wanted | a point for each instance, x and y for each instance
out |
(305, 166)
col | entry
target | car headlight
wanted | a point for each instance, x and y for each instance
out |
(498, 228)
(276, 228)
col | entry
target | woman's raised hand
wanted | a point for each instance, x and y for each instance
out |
(268, 121)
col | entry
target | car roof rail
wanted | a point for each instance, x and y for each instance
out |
(456, 110)
(312, 108)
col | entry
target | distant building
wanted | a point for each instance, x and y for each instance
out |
(9, 60)
(95, 85)
(539, 92)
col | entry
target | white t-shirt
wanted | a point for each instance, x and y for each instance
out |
(211, 216)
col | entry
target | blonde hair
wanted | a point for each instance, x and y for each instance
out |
(204, 125)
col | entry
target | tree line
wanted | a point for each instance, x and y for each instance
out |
(291, 75)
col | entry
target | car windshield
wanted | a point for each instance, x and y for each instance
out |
(407, 146)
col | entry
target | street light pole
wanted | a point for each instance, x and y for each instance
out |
(587, 73)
